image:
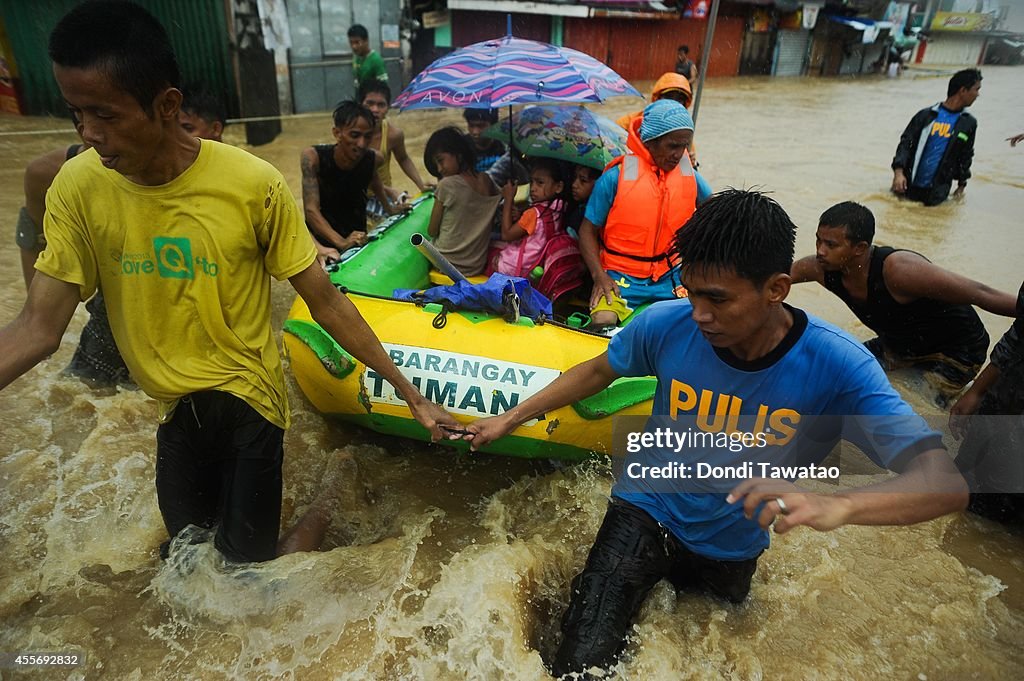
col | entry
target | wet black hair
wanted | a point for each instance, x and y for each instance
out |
(348, 111)
(592, 173)
(739, 230)
(685, 49)
(122, 39)
(857, 220)
(358, 31)
(963, 79)
(198, 101)
(374, 85)
(453, 141)
(480, 115)
(553, 167)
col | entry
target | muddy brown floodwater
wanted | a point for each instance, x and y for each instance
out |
(445, 566)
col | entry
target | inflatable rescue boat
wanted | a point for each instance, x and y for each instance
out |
(474, 364)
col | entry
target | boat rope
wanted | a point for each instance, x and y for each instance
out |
(441, 319)
(70, 130)
(346, 290)
(563, 325)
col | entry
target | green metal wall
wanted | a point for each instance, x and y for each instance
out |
(197, 29)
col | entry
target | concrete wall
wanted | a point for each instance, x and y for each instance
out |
(321, 61)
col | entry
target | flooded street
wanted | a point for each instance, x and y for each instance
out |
(448, 566)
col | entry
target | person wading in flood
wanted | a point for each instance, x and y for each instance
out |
(198, 230)
(387, 140)
(990, 457)
(335, 178)
(733, 339)
(921, 312)
(96, 359)
(938, 145)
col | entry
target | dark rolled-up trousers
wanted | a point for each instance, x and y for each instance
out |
(219, 465)
(632, 553)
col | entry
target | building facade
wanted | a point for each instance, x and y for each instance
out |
(964, 32)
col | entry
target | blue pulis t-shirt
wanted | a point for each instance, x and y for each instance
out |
(816, 372)
(939, 134)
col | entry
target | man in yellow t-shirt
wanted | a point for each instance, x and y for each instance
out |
(97, 359)
(183, 236)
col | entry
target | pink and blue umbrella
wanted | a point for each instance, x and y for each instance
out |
(509, 70)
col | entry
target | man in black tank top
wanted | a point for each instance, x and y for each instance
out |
(921, 312)
(335, 178)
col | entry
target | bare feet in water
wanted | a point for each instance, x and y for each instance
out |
(342, 489)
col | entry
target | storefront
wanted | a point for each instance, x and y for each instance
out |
(957, 38)
(848, 46)
(634, 39)
(793, 41)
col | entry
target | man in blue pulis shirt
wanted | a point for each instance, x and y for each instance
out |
(732, 358)
(938, 145)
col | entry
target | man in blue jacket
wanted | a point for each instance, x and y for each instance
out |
(938, 144)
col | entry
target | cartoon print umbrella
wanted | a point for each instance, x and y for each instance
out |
(509, 70)
(565, 133)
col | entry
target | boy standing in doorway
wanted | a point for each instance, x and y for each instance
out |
(367, 64)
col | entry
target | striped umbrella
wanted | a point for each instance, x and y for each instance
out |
(510, 70)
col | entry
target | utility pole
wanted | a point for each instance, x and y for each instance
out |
(705, 56)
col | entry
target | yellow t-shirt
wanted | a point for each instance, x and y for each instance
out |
(185, 269)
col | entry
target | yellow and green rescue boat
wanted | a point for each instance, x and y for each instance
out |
(474, 364)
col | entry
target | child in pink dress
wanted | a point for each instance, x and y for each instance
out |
(522, 246)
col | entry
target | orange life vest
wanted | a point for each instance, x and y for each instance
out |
(649, 208)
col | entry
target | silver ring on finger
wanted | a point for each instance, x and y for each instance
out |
(783, 509)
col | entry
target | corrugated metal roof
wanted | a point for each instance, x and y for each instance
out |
(197, 30)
